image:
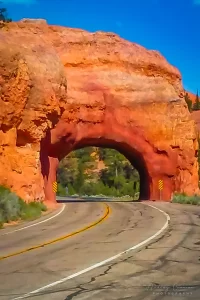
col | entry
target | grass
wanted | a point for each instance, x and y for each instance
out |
(13, 208)
(185, 199)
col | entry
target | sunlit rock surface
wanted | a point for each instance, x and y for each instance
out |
(100, 90)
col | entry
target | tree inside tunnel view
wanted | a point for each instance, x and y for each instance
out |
(97, 171)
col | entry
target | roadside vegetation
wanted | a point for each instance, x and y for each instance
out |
(126, 198)
(185, 199)
(13, 208)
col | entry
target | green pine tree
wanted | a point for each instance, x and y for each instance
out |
(68, 170)
(80, 179)
(196, 105)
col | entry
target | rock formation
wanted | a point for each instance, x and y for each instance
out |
(63, 89)
(196, 117)
(191, 96)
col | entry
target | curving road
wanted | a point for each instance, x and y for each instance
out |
(68, 269)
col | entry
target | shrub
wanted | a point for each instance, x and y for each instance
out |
(13, 208)
(32, 210)
(185, 199)
(123, 198)
(71, 190)
(9, 205)
(61, 190)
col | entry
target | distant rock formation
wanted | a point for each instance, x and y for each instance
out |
(38, 21)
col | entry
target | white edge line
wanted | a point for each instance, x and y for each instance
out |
(19, 229)
(102, 262)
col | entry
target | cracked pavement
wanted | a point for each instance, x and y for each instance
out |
(167, 268)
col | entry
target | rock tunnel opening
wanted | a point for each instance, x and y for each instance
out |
(134, 157)
(60, 142)
(97, 171)
(152, 167)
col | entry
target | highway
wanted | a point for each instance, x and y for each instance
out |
(96, 250)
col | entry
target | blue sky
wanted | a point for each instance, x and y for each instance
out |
(169, 26)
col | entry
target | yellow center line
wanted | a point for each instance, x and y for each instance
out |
(105, 215)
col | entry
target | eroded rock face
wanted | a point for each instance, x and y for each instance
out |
(196, 118)
(33, 91)
(118, 94)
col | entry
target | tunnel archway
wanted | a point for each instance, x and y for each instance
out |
(92, 170)
(153, 165)
(135, 159)
(96, 86)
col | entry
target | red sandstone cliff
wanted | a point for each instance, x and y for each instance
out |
(107, 90)
(196, 118)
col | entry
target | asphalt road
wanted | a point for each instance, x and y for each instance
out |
(61, 269)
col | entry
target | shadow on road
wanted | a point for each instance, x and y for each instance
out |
(72, 199)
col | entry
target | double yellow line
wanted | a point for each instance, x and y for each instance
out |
(105, 215)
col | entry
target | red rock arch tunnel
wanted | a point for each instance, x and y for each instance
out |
(100, 90)
(152, 164)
